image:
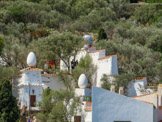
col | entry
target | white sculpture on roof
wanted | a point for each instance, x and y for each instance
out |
(88, 41)
(31, 59)
(82, 82)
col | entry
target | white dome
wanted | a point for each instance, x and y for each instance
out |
(82, 82)
(31, 59)
(88, 39)
(85, 46)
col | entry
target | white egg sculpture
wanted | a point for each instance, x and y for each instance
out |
(31, 59)
(86, 47)
(82, 82)
(88, 39)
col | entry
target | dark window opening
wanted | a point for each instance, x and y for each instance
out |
(32, 100)
(77, 118)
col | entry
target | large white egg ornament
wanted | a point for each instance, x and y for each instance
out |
(82, 82)
(31, 59)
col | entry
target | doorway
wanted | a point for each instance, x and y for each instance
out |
(77, 118)
(32, 100)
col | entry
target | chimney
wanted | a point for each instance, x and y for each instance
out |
(160, 94)
(121, 90)
(160, 89)
(112, 88)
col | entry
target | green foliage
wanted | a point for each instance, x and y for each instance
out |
(133, 1)
(148, 13)
(58, 106)
(29, 12)
(14, 52)
(17, 14)
(86, 67)
(66, 79)
(102, 34)
(46, 104)
(63, 45)
(83, 7)
(8, 107)
(34, 1)
(153, 1)
(106, 82)
(121, 8)
(7, 72)
(1, 44)
(133, 59)
(42, 26)
(122, 80)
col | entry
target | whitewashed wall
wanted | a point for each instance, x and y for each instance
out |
(25, 96)
(135, 87)
(87, 116)
(52, 82)
(109, 107)
(106, 66)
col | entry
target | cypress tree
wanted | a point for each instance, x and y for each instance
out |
(101, 34)
(8, 107)
(133, 1)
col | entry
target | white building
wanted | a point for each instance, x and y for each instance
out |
(31, 87)
(137, 87)
(107, 106)
(28, 86)
(31, 84)
(83, 92)
(153, 98)
(104, 64)
(111, 107)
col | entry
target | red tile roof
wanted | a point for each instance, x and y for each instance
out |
(106, 57)
(140, 78)
(88, 108)
(88, 105)
(31, 69)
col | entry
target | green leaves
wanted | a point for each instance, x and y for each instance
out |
(147, 13)
(64, 45)
(62, 105)
(136, 59)
(85, 66)
(1, 44)
(8, 106)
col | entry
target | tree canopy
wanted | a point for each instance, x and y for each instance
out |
(53, 29)
(58, 106)
(8, 106)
